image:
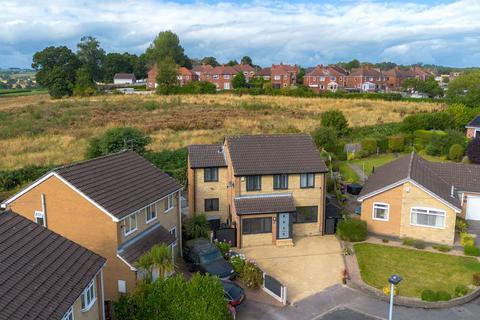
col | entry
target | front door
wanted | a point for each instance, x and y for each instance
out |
(283, 225)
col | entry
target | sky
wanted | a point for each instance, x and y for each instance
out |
(302, 32)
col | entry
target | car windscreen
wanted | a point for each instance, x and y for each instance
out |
(233, 291)
(209, 257)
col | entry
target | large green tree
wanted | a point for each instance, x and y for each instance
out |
(167, 73)
(232, 63)
(211, 61)
(239, 81)
(118, 139)
(429, 86)
(84, 84)
(91, 55)
(56, 69)
(123, 62)
(465, 89)
(246, 60)
(167, 44)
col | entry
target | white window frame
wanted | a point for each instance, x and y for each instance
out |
(41, 215)
(226, 86)
(169, 203)
(68, 315)
(441, 213)
(174, 229)
(215, 76)
(277, 77)
(88, 296)
(129, 230)
(387, 213)
(122, 286)
(322, 78)
(153, 209)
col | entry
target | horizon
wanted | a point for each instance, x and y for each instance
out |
(443, 33)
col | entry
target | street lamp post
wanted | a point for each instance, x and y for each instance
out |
(394, 280)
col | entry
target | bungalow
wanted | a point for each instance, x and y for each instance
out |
(45, 276)
(269, 187)
(473, 128)
(413, 197)
(283, 75)
(117, 206)
(124, 78)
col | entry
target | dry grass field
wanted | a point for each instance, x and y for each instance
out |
(38, 130)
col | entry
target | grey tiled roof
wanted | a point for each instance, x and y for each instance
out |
(475, 122)
(121, 183)
(41, 273)
(274, 154)
(264, 204)
(206, 155)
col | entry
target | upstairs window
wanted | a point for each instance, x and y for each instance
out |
(276, 77)
(215, 76)
(210, 175)
(88, 296)
(280, 181)
(151, 213)
(226, 76)
(40, 218)
(169, 203)
(130, 224)
(307, 180)
(254, 183)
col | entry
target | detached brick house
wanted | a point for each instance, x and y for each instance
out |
(247, 70)
(270, 187)
(221, 77)
(365, 79)
(321, 79)
(283, 75)
(45, 276)
(416, 198)
(117, 206)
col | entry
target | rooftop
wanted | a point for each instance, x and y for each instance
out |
(272, 203)
(206, 155)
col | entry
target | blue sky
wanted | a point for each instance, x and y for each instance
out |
(308, 33)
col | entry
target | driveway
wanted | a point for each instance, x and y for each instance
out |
(311, 265)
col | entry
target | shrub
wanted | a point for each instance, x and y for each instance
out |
(173, 162)
(422, 138)
(352, 230)
(471, 251)
(467, 239)
(11, 179)
(117, 139)
(197, 226)
(429, 295)
(252, 276)
(461, 290)
(408, 242)
(473, 151)
(150, 105)
(419, 244)
(453, 137)
(382, 144)
(369, 146)
(427, 121)
(326, 138)
(335, 119)
(461, 225)
(443, 296)
(456, 152)
(224, 248)
(442, 247)
(476, 279)
(396, 143)
(238, 263)
(461, 114)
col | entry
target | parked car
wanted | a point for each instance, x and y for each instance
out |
(201, 255)
(234, 294)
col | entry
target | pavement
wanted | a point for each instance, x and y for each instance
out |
(358, 171)
(311, 265)
(341, 302)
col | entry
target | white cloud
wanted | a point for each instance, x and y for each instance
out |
(267, 31)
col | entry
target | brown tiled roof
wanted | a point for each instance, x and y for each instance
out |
(412, 167)
(283, 68)
(121, 183)
(184, 71)
(264, 204)
(41, 273)
(244, 68)
(202, 68)
(221, 70)
(318, 71)
(337, 69)
(399, 73)
(274, 154)
(465, 177)
(206, 155)
(265, 72)
(132, 251)
(366, 72)
(130, 76)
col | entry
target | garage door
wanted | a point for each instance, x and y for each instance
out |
(473, 208)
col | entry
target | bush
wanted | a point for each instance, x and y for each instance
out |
(369, 146)
(335, 119)
(238, 263)
(471, 251)
(461, 290)
(396, 143)
(224, 248)
(173, 162)
(326, 138)
(456, 152)
(443, 296)
(419, 244)
(442, 247)
(422, 138)
(12, 179)
(408, 242)
(473, 151)
(118, 139)
(429, 295)
(427, 121)
(352, 230)
(476, 279)
(197, 226)
(382, 144)
(150, 105)
(461, 225)
(252, 275)
(467, 239)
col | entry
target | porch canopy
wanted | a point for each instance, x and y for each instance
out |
(270, 203)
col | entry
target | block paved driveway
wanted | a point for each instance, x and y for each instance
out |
(313, 264)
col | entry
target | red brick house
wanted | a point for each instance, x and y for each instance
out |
(340, 74)
(264, 73)
(152, 78)
(395, 77)
(321, 79)
(183, 76)
(283, 75)
(247, 70)
(221, 77)
(365, 79)
(201, 71)
(420, 73)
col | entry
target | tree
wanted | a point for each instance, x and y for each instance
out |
(211, 61)
(430, 86)
(158, 258)
(473, 151)
(239, 81)
(118, 139)
(326, 138)
(91, 55)
(56, 68)
(116, 63)
(465, 89)
(335, 119)
(301, 74)
(84, 84)
(246, 60)
(232, 63)
(167, 44)
(197, 226)
(167, 74)
(354, 64)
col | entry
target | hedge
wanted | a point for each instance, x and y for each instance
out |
(12, 179)
(352, 230)
(369, 146)
(396, 143)
(421, 138)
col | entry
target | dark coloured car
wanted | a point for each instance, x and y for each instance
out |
(234, 294)
(201, 255)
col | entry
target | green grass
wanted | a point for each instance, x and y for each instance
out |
(21, 92)
(348, 175)
(367, 164)
(419, 269)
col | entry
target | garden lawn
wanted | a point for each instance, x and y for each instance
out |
(419, 269)
(348, 175)
(367, 164)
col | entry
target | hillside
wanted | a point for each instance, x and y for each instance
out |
(38, 130)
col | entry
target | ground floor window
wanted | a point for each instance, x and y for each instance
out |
(256, 225)
(211, 204)
(306, 214)
(380, 211)
(427, 217)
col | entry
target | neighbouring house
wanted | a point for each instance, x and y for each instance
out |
(184, 76)
(152, 77)
(265, 73)
(416, 198)
(270, 187)
(365, 79)
(45, 276)
(473, 128)
(201, 71)
(247, 70)
(395, 77)
(283, 75)
(420, 73)
(340, 73)
(321, 79)
(124, 78)
(118, 206)
(221, 77)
